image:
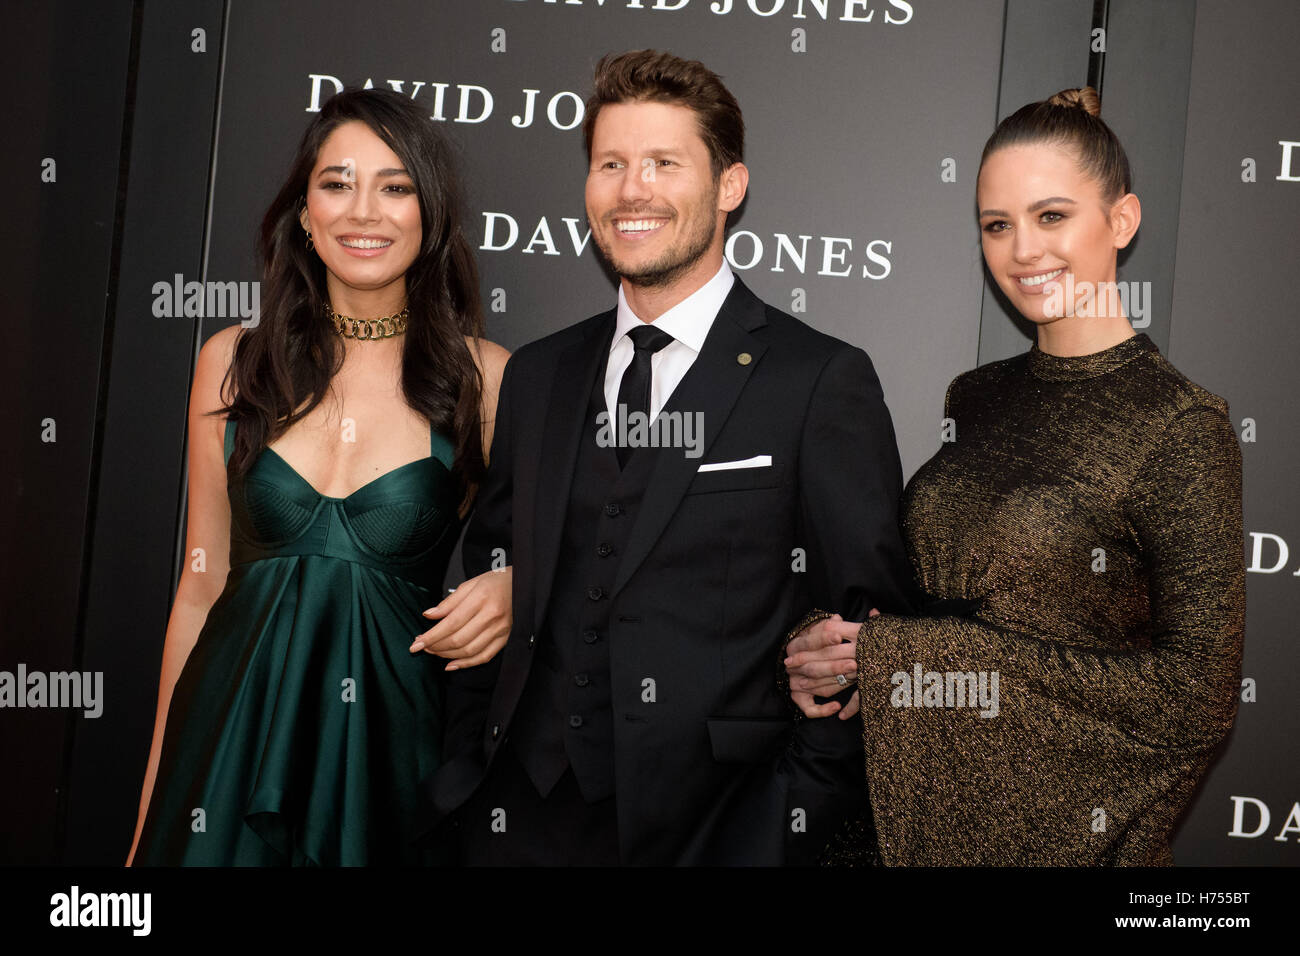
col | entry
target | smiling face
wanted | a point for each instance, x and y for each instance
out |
(1045, 221)
(364, 216)
(657, 211)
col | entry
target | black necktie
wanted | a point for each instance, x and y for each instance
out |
(634, 389)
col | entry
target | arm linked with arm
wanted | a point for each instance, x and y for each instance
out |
(487, 539)
(850, 482)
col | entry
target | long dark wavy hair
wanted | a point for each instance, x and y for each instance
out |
(291, 355)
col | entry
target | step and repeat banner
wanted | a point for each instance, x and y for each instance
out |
(865, 122)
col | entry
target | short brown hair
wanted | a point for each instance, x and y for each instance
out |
(659, 77)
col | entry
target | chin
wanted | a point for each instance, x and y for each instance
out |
(632, 268)
(364, 283)
(1029, 307)
(1038, 318)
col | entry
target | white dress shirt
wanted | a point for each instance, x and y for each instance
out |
(688, 322)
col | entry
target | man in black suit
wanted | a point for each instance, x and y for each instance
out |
(675, 482)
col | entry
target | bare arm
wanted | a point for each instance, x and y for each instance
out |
(474, 621)
(208, 528)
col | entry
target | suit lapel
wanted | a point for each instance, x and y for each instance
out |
(711, 386)
(566, 423)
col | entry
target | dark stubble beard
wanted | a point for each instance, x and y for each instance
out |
(674, 263)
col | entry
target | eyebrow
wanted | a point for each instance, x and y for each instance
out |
(1050, 201)
(652, 151)
(342, 170)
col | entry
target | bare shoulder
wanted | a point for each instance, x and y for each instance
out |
(490, 358)
(214, 361)
(220, 348)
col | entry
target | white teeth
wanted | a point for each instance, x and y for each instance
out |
(366, 243)
(1039, 280)
(638, 225)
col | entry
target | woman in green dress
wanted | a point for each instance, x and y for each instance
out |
(1079, 540)
(333, 451)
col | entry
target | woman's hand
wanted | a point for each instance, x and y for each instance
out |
(475, 621)
(814, 659)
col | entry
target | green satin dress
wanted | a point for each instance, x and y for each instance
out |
(301, 725)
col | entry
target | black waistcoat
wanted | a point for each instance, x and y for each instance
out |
(565, 717)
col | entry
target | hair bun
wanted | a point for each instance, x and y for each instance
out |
(1084, 98)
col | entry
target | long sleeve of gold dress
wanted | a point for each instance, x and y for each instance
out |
(1085, 525)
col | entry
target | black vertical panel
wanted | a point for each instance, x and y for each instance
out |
(1148, 64)
(68, 67)
(131, 577)
(1097, 48)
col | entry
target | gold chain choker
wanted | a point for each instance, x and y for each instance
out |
(384, 327)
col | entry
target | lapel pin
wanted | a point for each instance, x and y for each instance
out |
(744, 358)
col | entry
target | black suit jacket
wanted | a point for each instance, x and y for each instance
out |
(719, 566)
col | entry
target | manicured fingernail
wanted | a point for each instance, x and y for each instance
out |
(417, 646)
(453, 667)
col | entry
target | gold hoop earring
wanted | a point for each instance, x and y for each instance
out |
(309, 242)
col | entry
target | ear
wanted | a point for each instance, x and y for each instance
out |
(731, 189)
(302, 218)
(1125, 217)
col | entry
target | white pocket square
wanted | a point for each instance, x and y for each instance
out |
(758, 461)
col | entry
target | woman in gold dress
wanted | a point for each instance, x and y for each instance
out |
(1079, 541)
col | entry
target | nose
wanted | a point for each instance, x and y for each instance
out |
(365, 204)
(637, 184)
(1026, 245)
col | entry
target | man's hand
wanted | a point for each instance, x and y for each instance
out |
(475, 621)
(816, 655)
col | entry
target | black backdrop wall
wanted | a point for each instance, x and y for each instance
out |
(153, 135)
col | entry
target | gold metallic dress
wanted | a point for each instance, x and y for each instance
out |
(1085, 525)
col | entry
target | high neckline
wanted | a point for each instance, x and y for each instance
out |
(1062, 368)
